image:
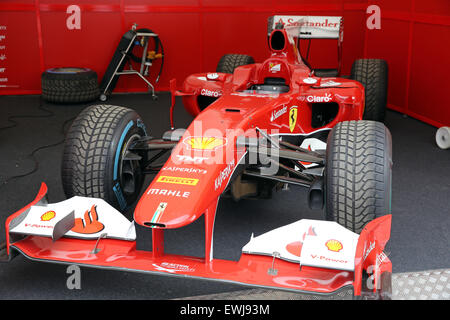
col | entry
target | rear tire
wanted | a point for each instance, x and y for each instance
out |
(69, 85)
(93, 162)
(229, 62)
(358, 173)
(373, 75)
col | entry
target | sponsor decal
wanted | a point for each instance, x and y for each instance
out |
(159, 211)
(169, 193)
(178, 180)
(330, 83)
(176, 266)
(210, 93)
(34, 225)
(334, 245)
(205, 143)
(185, 170)
(212, 76)
(309, 80)
(380, 258)
(278, 113)
(223, 175)
(325, 98)
(49, 215)
(172, 267)
(89, 224)
(316, 257)
(274, 67)
(291, 22)
(189, 159)
(295, 248)
(261, 95)
(292, 118)
(369, 250)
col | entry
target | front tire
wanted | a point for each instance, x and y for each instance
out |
(94, 163)
(358, 173)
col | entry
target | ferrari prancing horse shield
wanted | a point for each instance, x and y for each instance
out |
(292, 118)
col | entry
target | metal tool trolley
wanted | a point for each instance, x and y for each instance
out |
(124, 54)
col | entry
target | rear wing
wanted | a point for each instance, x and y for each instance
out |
(311, 27)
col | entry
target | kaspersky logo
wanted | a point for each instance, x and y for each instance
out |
(205, 143)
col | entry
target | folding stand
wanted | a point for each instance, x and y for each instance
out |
(121, 56)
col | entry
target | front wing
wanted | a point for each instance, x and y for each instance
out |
(315, 257)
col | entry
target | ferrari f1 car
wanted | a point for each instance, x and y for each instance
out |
(258, 127)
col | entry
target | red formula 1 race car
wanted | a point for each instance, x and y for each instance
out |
(257, 127)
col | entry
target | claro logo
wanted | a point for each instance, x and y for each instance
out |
(210, 93)
(325, 98)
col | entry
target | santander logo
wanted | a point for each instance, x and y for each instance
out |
(322, 23)
(276, 114)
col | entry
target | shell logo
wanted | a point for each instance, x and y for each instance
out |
(49, 215)
(334, 245)
(205, 143)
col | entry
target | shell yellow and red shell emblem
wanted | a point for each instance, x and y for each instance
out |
(334, 245)
(204, 143)
(49, 215)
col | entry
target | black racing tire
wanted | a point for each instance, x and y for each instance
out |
(93, 162)
(229, 62)
(358, 173)
(373, 75)
(69, 85)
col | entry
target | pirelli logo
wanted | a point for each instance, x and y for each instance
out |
(178, 180)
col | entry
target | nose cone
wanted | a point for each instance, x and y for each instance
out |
(181, 192)
(173, 199)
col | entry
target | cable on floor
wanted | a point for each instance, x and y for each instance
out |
(32, 154)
